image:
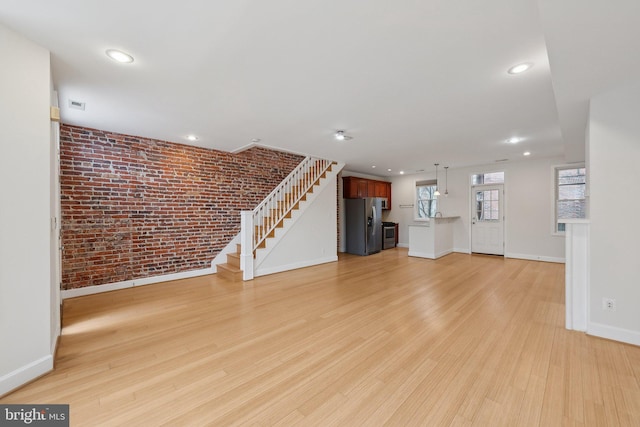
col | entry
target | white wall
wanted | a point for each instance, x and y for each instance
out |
(614, 153)
(25, 263)
(528, 207)
(312, 239)
(54, 241)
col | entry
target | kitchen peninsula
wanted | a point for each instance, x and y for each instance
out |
(433, 238)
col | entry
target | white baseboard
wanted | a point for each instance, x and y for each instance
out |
(613, 333)
(534, 257)
(89, 290)
(26, 373)
(462, 250)
(429, 255)
(443, 253)
(421, 254)
(402, 245)
(295, 265)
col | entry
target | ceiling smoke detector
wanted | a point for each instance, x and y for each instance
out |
(342, 136)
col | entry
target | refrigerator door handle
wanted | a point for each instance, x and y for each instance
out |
(373, 212)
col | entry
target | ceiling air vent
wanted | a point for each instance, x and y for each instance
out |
(76, 105)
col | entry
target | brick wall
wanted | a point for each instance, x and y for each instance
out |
(135, 207)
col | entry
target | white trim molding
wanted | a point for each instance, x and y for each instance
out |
(294, 266)
(26, 373)
(613, 333)
(89, 290)
(421, 254)
(534, 257)
(462, 250)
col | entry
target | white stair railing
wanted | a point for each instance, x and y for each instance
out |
(258, 224)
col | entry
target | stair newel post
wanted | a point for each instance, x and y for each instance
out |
(247, 244)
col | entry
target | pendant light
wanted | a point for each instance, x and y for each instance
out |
(446, 182)
(437, 193)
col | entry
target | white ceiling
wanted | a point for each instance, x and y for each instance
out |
(414, 82)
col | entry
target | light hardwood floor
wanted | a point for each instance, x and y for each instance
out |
(379, 340)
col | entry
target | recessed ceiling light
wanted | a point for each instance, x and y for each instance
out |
(192, 137)
(514, 140)
(526, 153)
(374, 166)
(388, 170)
(401, 172)
(520, 68)
(256, 140)
(119, 56)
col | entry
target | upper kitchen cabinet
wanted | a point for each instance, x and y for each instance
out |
(355, 188)
(382, 189)
(359, 188)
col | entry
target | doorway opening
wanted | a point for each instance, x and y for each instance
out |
(487, 216)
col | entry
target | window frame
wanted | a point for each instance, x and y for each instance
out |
(478, 187)
(555, 194)
(424, 183)
(473, 175)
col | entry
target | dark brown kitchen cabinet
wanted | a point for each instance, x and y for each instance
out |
(363, 189)
(359, 188)
(371, 189)
(382, 189)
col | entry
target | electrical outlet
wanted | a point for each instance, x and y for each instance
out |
(608, 304)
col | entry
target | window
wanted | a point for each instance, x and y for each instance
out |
(488, 205)
(570, 189)
(488, 178)
(426, 201)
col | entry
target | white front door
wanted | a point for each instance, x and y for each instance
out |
(487, 222)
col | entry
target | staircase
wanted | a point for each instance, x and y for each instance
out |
(261, 224)
(231, 269)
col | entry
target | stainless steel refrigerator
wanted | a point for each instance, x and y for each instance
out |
(363, 223)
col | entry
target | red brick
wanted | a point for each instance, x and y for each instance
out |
(134, 207)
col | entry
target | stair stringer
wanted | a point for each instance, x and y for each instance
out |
(282, 235)
(221, 258)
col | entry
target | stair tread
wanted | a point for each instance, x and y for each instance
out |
(229, 268)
